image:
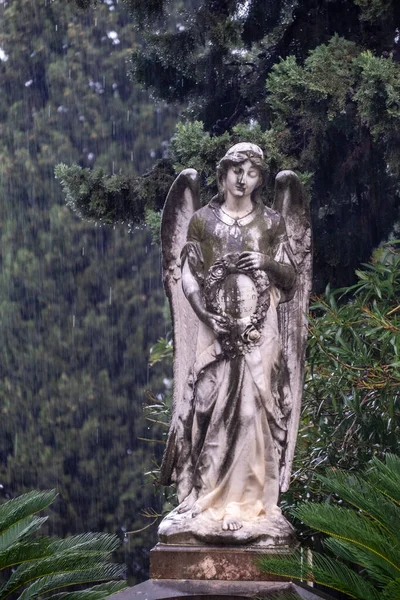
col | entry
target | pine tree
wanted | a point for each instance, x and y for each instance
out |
(319, 79)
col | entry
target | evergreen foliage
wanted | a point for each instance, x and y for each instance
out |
(329, 110)
(35, 566)
(363, 545)
(352, 391)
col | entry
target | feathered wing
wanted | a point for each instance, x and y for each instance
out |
(182, 202)
(291, 203)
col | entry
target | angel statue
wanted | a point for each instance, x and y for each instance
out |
(238, 278)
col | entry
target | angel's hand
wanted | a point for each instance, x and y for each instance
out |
(217, 323)
(253, 260)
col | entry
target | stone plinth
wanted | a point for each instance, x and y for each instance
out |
(174, 589)
(274, 532)
(221, 563)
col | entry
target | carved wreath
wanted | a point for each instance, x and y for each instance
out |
(244, 333)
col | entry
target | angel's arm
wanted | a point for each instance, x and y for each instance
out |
(280, 268)
(283, 275)
(191, 259)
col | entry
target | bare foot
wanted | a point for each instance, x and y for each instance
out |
(196, 509)
(188, 502)
(230, 523)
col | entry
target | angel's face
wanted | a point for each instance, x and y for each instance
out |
(241, 180)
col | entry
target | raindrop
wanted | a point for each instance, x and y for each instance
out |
(73, 320)
(113, 35)
(28, 83)
(110, 298)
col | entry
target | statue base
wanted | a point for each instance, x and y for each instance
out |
(212, 590)
(273, 532)
(222, 563)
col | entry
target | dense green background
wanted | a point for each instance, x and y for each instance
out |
(80, 305)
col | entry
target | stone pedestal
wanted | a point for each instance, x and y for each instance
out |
(212, 573)
(223, 563)
(174, 589)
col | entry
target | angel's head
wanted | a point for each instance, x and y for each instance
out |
(240, 154)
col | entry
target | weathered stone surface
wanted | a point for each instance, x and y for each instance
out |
(238, 277)
(223, 563)
(181, 529)
(212, 590)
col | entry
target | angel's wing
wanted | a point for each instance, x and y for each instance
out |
(291, 202)
(182, 202)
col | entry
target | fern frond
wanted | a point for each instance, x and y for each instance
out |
(325, 571)
(62, 580)
(18, 531)
(349, 525)
(16, 509)
(360, 493)
(97, 592)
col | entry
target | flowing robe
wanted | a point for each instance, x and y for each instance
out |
(231, 434)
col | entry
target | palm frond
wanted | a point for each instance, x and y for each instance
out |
(392, 591)
(386, 477)
(18, 531)
(62, 580)
(100, 542)
(17, 509)
(363, 495)
(325, 571)
(349, 525)
(49, 564)
(97, 592)
(52, 566)
(376, 568)
(25, 551)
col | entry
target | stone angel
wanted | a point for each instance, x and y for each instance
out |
(238, 278)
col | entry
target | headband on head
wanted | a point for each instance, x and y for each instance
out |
(244, 151)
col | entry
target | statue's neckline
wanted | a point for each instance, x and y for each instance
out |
(230, 221)
(237, 218)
